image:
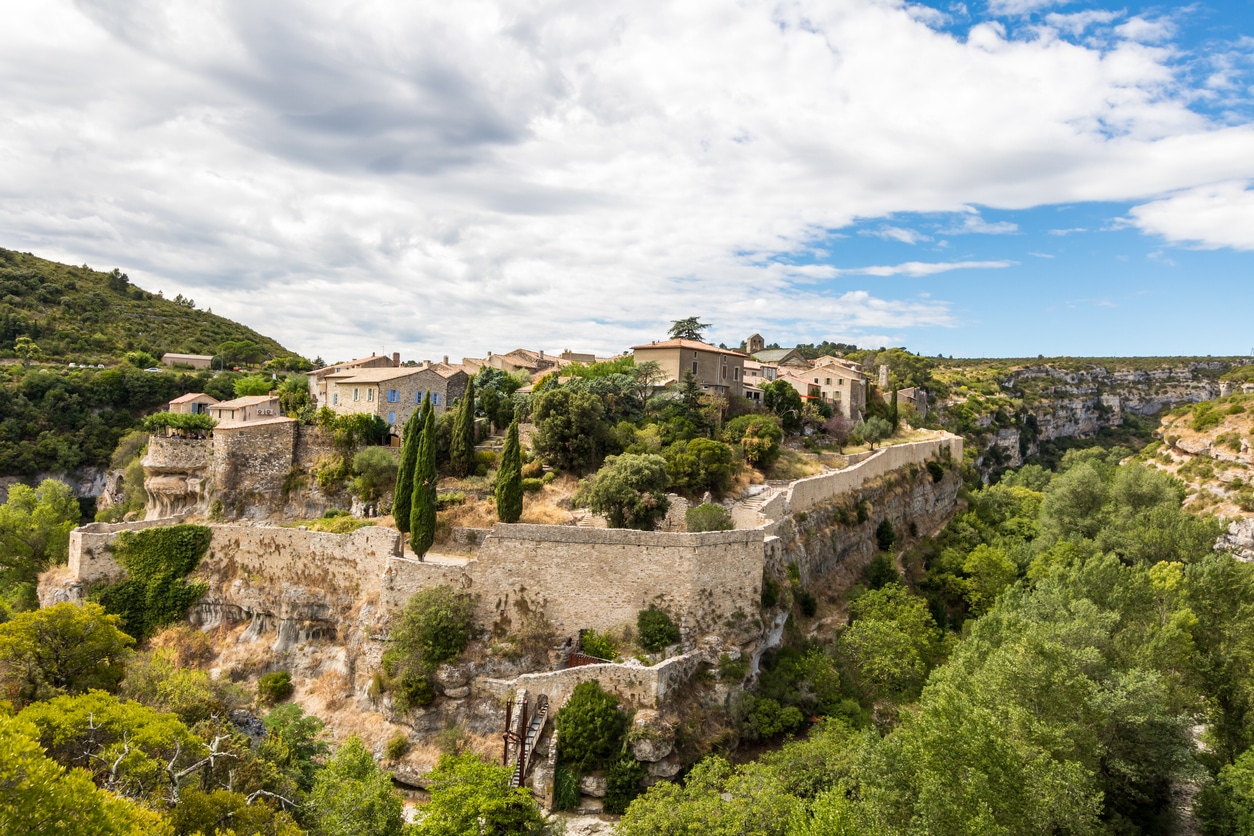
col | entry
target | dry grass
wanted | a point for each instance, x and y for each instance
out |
(332, 688)
(793, 465)
(187, 646)
(473, 513)
(540, 511)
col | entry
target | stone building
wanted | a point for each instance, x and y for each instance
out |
(716, 369)
(318, 378)
(394, 393)
(833, 383)
(246, 409)
(196, 361)
(193, 403)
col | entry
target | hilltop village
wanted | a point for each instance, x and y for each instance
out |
(297, 561)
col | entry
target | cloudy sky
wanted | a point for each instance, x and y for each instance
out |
(994, 178)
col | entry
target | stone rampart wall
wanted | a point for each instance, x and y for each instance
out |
(815, 490)
(637, 686)
(251, 463)
(90, 556)
(177, 453)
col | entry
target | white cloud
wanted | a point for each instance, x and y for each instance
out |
(351, 176)
(923, 268)
(1146, 31)
(1219, 215)
(1021, 7)
(896, 233)
(1076, 23)
(972, 223)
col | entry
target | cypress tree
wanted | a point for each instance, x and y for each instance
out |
(403, 496)
(422, 516)
(892, 410)
(462, 445)
(509, 495)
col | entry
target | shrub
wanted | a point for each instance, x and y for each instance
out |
(155, 592)
(622, 784)
(590, 728)
(880, 572)
(936, 470)
(630, 490)
(532, 485)
(435, 627)
(599, 645)
(708, 517)
(274, 687)
(885, 535)
(809, 604)
(733, 670)
(757, 435)
(767, 719)
(565, 788)
(533, 469)
(656, 629)
(412, 689)
(770, 592)
(450, 498)
(396, 747)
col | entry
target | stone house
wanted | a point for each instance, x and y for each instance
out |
(193, 403)
(716, 369)
(533, 364)
(196, 361)
(782, 358)
(393, 394)
(246, 409)
(835, 383)
(318, 377)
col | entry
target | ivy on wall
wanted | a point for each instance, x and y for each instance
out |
(155, 591)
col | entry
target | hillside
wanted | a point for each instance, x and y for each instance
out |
(1209, 446)
(88, 316)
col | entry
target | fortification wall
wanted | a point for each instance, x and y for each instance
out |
(90, 557)
(251, 462)
(815, 490)
(599, 578)
(637, 686)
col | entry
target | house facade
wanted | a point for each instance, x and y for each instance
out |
(318, 378)
(837, 384)
(196, 361)
(193, 403)
(246, 409)
(394, 394)
(716, 369)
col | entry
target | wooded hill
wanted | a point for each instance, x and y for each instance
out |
(77, 314)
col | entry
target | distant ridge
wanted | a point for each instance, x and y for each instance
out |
(85, 315)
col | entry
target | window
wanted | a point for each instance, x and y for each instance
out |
(393, 396)
(370, 394)
(391, 417)
(435, 398)
(724, 375)
(840, 382)
(827, 381)
(694, 366)
(736, 373)
(418, 397)
(356, 394)
(335, 399)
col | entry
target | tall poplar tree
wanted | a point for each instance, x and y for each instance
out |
(403, 496)
(509, 493)
(422, 516)
(462, 445)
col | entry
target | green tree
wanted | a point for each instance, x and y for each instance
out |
(35, 525)
(708, 517)
(688, 329)
(434, 627)
(590, 728)
(253, 385)
(570, 429)
(294, 397)
(422, 515)
(403, 494)
(353, 797)
(874, 430)
(509, 494)
(780, 398)
(630, 491)
(699, 465)
(989, 572)
(294, 743)
(39, 797)
(375, 468)
(656, 629)
(462, 446)
(62, 649)
(758, 436)
(27, 350)
(469, 796)
(891, 643)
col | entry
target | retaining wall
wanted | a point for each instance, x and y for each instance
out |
(637, 686)
(815, 490)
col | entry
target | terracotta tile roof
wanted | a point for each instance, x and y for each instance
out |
(373, 375)
(241, 425)
(693, 344)
(191, 396)
(248, 400)
(331, 369)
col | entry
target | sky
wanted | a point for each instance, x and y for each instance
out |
(1000, 178)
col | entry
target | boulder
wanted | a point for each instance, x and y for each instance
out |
(592, 785)
(452, 676)
(457, 693)
(651, 738)
(666, 768)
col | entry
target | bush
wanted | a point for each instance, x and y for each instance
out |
(434, 628)
(412, 689)
(155, 592)
(565, 788)
(532, 485)
(885, 535)
(708, 517)
(809, 604)
(450, 498)
(880, 572)
(770, 592)
(274, 687)
(396, 747)
(630, 490)
(590, 728)
(533, 469)
(733, 670)
(656, 629)
(622, 784)
(758, 436)
(599, 645)
(767, 719)
(936, 470)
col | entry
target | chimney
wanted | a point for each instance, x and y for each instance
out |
(445, 361)
(426, 364)
(542, 354)
(396, 358)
